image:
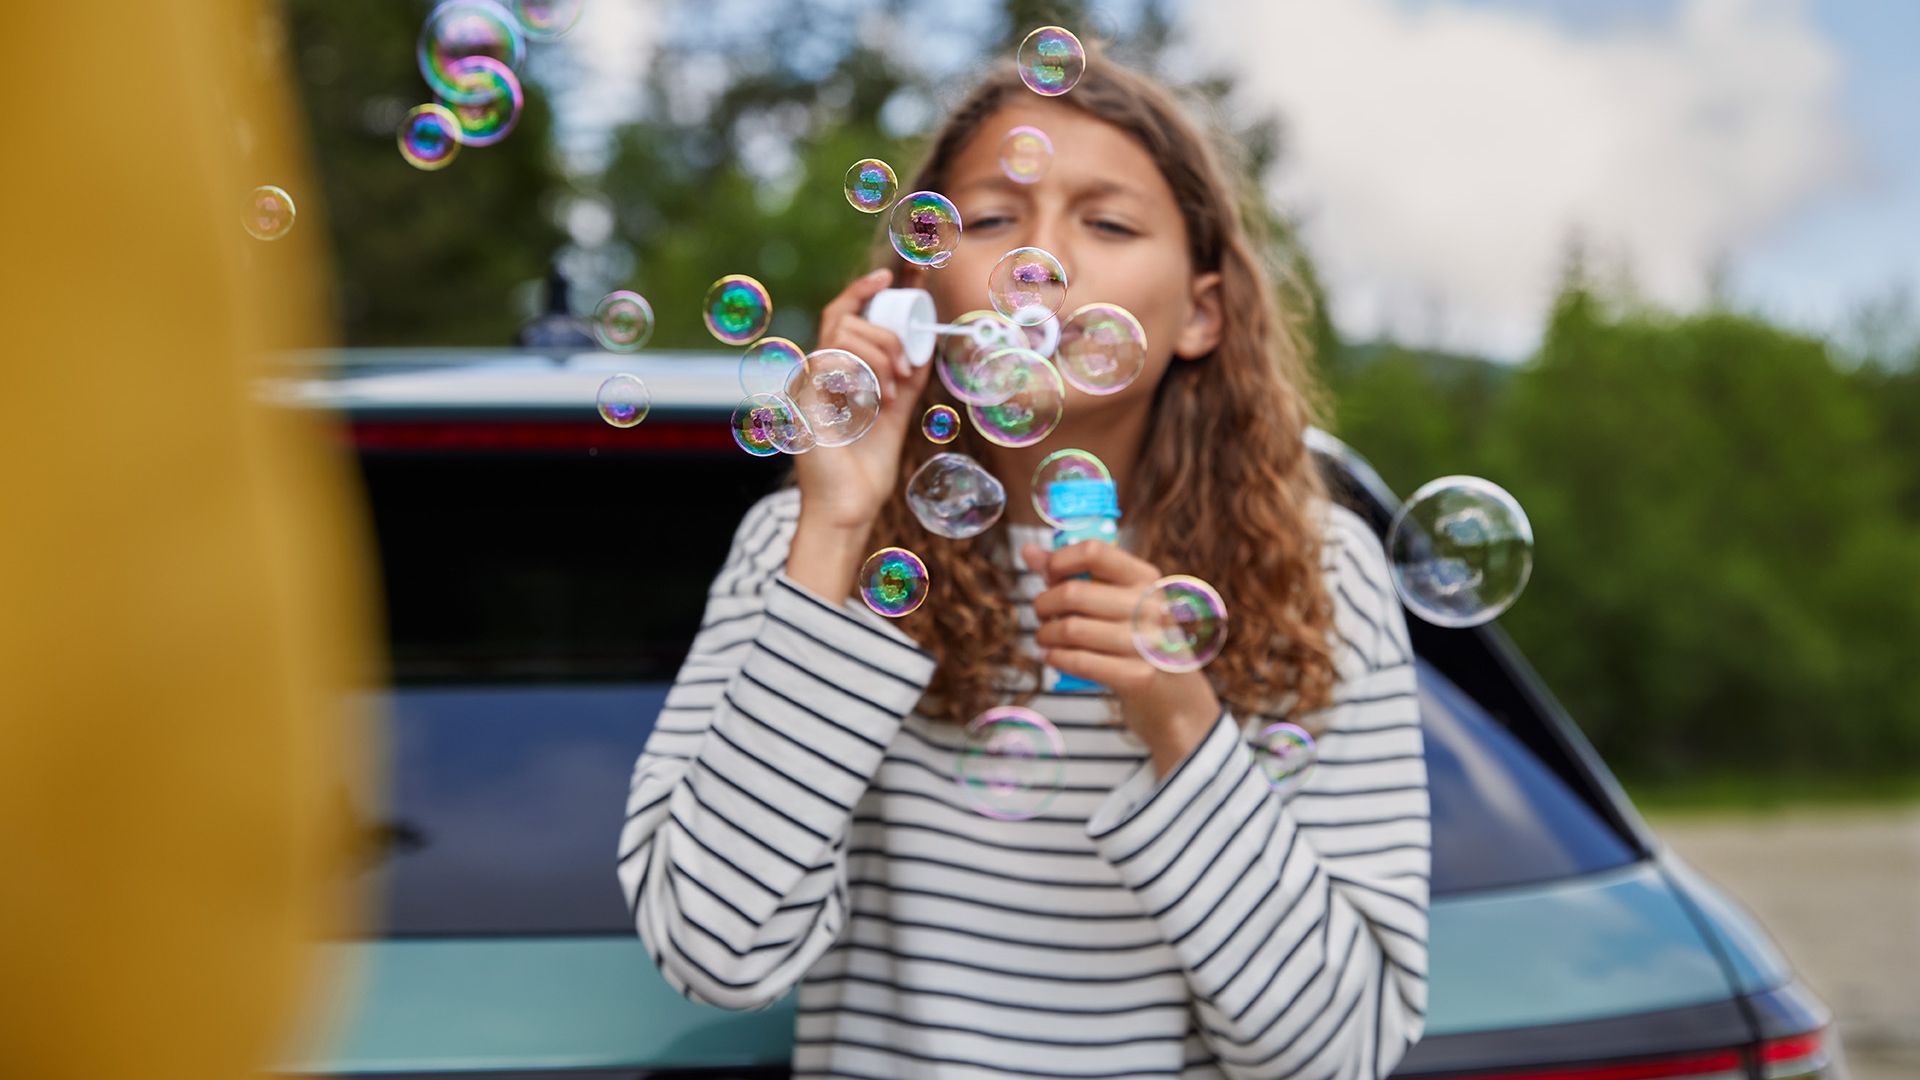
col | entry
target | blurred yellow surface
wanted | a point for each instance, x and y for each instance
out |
(183, 575)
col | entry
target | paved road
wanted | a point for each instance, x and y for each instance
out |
(1840, 891)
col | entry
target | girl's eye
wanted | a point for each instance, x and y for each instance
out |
(1113, 227)
(987, 221)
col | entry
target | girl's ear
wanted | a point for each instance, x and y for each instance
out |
(1201, 334)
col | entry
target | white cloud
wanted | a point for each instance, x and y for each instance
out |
(1442, 155)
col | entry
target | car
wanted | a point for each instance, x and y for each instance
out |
(544, 573)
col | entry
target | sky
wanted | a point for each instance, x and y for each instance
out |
(1442, 155)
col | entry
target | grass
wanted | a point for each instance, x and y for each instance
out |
(1746, 792)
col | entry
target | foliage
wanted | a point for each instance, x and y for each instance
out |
(419, 257)
(1726, 537)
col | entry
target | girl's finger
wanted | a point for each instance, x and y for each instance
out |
(1116, 673)
(870, 343)
(1089, 634)
(1081, 596)
(853, 299)
(891, 352)
(1104, 561)
(1036, 557)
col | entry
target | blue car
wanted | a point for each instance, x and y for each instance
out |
(544, 574)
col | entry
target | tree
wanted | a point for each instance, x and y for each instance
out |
(419, 257)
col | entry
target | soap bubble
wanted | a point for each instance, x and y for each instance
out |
(1051, 60)
(925, 228)
(624, 400)
(1033, 408)
(768, 424)
(1012, 765)
(893, 582)
(1026, 154)
(1180, 624)
(544, 20)
(961, 361)
(1027, 285)
(1071, 484)
(430, 137)
(737, 310)
(767, 365)
(269, 214)
(954, 497)
(489, 102)
(623, 321)
(1461, 550)
(870, 185)
(1102, 350)
(837, 394)
(940, 424)
(1285, 754)
(457, 29)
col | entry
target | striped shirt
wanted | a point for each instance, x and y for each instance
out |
(795, 821)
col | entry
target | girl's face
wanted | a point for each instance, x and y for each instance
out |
(1104, 209)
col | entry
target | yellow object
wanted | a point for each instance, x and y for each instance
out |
(183, 585)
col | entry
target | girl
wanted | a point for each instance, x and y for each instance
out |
(794, 820)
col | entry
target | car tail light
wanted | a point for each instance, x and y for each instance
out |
(1799, 1057)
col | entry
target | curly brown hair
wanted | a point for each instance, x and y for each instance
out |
(1225, 489)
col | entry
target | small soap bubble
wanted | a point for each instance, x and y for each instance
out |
(1102, 349)
(544, 20)
(430, 137)
(489, 100)
(737, 310)
(1012, 764)
(1285, 755)
(1180, 624)
(767, 364)
(457, 29)
(1027, 285)
(954, 497)
(871, 185)
(893, 582)
(837, 394)
(624, 400)
(1461, 551)
(1033, 407)
(940, 424)
(269, 214)
(1069, 484)
(623, 321)
(768, 424)
(1026, 154)
(961, 360)
(1051, 60)
(925, 228)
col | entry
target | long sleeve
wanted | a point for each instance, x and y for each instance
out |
(1301, 923)
(733, 854)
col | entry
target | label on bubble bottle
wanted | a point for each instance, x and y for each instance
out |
(1097, 526)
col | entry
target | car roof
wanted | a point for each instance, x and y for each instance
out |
(363, 381)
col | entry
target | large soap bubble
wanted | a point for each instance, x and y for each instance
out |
(1461, 551)
(954, 497)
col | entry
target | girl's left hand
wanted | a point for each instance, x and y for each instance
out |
(1086, 629)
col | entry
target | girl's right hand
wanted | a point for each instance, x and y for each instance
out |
(842, 488)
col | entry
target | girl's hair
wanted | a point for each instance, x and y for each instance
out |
(1225, 488)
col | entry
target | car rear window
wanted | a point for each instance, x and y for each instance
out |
(558, 567)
